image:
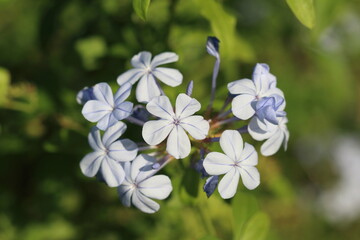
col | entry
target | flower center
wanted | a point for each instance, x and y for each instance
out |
(176, 121)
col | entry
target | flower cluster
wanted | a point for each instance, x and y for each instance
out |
(133, 167)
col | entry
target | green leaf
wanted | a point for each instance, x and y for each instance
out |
(90, 50)
(4, 84)
(304, 11)
(141, 8)
(257, 227)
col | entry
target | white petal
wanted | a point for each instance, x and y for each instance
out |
(95, 110)
(144, 203)
(250, 177)
(141, 168)
(163, 58)
(123, 110)
(107, 121)
(228, 184)
(123, 150)
(232, 144)
(141, 60)
(273, 144)
(125, 192)
(216, 163)
(178, 143)
(112, 172)
(186, 106)
(248, 156)
(263, 79)
(241, 106)
(95, 140)
(130, 76)
(147, 89)
(113, 133)
(258, 130)
(154, 132)
(122, 93)
(90, 164)
(243, 86)
(169, 76)
(161, 107)
(273, 91)
(157, 187)
(103, 93)
(196, 126)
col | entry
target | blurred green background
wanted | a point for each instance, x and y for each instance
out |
(49, 50)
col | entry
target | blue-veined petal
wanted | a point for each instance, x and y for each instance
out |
(169, 76)
(196, 126)
(249, 156)
(154, 132)
(95, 110)
(161, 107)
(250, 176)
(103, 93)
(273, 144)
(178, 143)
(241, 106)
(157, 187)
(186, 106)
(95, 139)
(90, 164)
(216, 163)
(131, 76)
(243, 86)
(125, 192)
(107, 121)
(232, 144)
(123, 150)
(260, 131)
(147, 89)
(144, 203)
(123, 110)
(112, 172)
(141, 60)
(228, 184)
(122, 93)
(163, 58)
(141, 168)
(113, 133)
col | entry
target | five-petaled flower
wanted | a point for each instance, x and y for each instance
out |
(238, 160)
(174, 124)
(107, 109)
(147, 71)
(140, 185)
(263, 84)
(108, 154)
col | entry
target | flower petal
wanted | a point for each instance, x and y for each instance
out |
(243, 86)
(107, 121)
(169, 76)
(157, 187)
(228, 184)
(141, 60)
(250, 177)
(141, 168)
(95, 110)
(113, 133)
(95, 139)
(163, 58)
(123, 110)
(196, 126)
(125, 192)
(161, 107)
(147, 89)
(103, 93)
(241, 106)
(123, 150)
(186, 106)
(216, 163)
(248, 156)
(90, 164)
(232, 144)
(154, 132)
(131, 76)
(122, 93)
(258, 130)
(263, 79)
(178, 143)
(144, 203)
(112, 172)
(273, 144)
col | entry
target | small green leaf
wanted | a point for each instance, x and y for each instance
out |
(257, 227)
(4, 84)
(141, 8)
(304, 11)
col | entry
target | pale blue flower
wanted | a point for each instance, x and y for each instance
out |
(140, 185)
(263, 84)
(270, 108)
(84, 95)
(210, 185)
(238, 160)
(174, 124)
(108, 154)
(147, 71)
(107, 109)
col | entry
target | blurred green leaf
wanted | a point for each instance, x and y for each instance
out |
(304, 11)
(257, 227)
(244, 207)
(141, 7)
(190, 182)
(4, 84)
(209, 238)
(90, 49)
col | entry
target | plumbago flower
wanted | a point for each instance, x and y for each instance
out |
(238, 160)
(249, 91)
(107, 109)
(108, 153)
(148, 71)
(174, 124)
(140, 185)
